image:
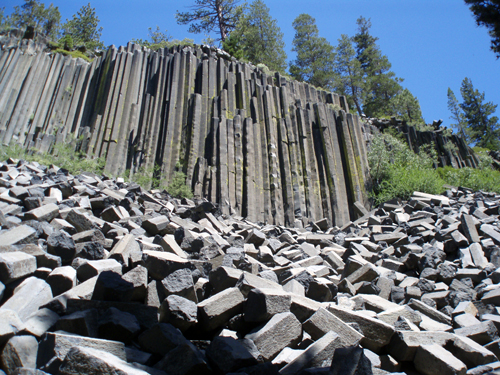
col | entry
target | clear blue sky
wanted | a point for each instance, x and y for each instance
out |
(432, 44)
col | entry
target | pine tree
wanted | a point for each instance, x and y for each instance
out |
(260, 38)
(406, 107)
(349, 78)
(484, 130)
(457, 115)
(381, 84)
(234, 46)
(315, 55)
(83, 28)
(210, 15)
(487, 13)
(33, 13)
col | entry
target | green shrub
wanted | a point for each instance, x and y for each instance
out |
(402, 181)
(397, 172)
(178, 188)
(146, 177)
(62, 156)
(476, 179)
(485, 161)
(74, 54)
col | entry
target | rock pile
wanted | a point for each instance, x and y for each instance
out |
(100, 276)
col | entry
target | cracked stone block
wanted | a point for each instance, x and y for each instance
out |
(54, 347)
(29, 296)
(280, 331)
(20, 351)
(218, 309)
(323, 321)
(262, 304)
(85, 361)
(10, 325)
(318, 354)
(182, 313)
(62, 279)
(16, 265)
(434, 360)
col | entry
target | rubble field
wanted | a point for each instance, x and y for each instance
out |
(98, 276)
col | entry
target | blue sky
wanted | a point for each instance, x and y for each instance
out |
(432, 44)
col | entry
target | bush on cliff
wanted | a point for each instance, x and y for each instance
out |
(397, 172)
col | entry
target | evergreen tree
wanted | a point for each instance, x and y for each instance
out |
(33, 13)
(84, 28)
(457, 115)
(381, 84)
(487, 13)
(260, 38)
(210, 15)
(4, 20)
(349, 78)
(484, 130)
(315, 56)
(233, 45)
(406, 107)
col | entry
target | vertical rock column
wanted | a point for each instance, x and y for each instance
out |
(333, 164)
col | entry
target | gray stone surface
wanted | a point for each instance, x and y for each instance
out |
(10, 324)
(262, 304)
(435, 360)
(47, 212)
(85, 360)
(29, 296)
(40, 322)
(19, 351)
(376, 333)
(350, 360)
(280, 331)
(180, 282)
(181, 312)
(118, 326)
(184, 359)
(62, 279)
(18, 235)
(323, 321)
(319, 354)
(15, 265)
(218, 309)
(54, 347)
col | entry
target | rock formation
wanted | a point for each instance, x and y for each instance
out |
(261, 146)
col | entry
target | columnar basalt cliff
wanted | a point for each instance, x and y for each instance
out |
(261, 146)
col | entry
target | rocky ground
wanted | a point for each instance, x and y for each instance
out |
(99, 276)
